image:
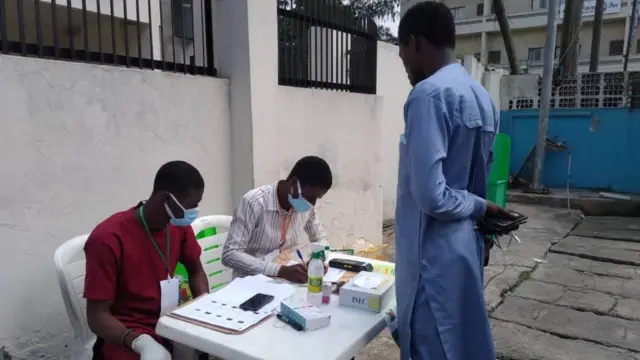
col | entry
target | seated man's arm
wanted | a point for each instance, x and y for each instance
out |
(234, 255)
(427, 135)
(190, 258)
(315, 230)
(102, 262)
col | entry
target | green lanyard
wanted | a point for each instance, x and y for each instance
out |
(165, 258)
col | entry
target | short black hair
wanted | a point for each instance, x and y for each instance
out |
(312, 171)
(431, 20)
(177, 177)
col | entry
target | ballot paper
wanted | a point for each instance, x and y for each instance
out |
(222, 308)
(333, 275)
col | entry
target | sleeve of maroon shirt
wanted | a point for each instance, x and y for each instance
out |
(102, 259)
(190, 257)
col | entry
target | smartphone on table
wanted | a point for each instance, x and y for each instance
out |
(256, 302)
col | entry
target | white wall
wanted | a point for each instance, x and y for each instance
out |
(80, 142)
(344, 129)
(393, 86)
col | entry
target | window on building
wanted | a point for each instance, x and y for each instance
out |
(494, 57)
(480, 9)
(538, 4)
(182, 18)
(535, 54)
(458, 12)
(616, 47)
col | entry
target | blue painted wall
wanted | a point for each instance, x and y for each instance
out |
(606, 158)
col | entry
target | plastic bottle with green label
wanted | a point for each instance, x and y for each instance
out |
(315, 273)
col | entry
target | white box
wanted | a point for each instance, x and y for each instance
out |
(368, 291)
(304, 314)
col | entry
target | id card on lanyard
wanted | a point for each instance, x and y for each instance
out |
(169, 288)
(285, 220)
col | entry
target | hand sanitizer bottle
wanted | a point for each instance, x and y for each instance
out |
(314, 286)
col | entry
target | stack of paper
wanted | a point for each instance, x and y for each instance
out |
(222, 307)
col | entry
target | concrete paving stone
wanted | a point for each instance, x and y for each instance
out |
(593, 267)
(557, 320)
(555, 294)
(498, 280)
(613, 244)
(620, 252)
(627, 308)
(621, 228)
(626, 288)
(519, 342)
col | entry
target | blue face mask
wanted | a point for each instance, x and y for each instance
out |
(299, 204)
(190, 215)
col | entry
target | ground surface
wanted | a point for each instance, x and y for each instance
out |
(559, 297)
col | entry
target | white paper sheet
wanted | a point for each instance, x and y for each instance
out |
(333, 275)
(221, 308)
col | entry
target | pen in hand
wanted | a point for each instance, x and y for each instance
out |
(300, 257)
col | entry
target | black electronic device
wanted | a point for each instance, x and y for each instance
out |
(256, 302)
(495, 224)
(350, 265)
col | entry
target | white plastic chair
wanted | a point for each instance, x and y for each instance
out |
(211, 257)
(70, 269)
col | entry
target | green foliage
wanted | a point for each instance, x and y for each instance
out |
(379, 10)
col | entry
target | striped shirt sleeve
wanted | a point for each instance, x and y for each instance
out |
(234, 255)
(315, 230)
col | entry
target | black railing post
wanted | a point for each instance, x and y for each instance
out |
(3, 27)
(208, 15)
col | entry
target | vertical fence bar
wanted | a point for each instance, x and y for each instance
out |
(152, 55)
(38, 27)
(340, 47)
(299, 50)
(72, 50)
(332, 33)
(204, 37)
(173, 38)
(3, 26)
(126, 34)
(315, 27)
(85, 30)
(138, 33)
(114, 49)
(99, 18)
(343, 38)
(326, 31)
(208, 13)
(164, 63)
(54, 25)
(184, 41)
(193, 34)
(23, 48)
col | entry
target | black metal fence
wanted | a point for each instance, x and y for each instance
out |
(324, 44)
(170, 35)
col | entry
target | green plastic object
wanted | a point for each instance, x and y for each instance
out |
(499, 176)
(181, 271)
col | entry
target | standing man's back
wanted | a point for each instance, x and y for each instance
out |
(445, 155)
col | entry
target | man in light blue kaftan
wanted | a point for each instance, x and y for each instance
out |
(445, 156)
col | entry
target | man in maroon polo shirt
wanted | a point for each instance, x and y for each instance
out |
(131, 257)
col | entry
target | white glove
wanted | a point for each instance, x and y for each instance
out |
(149, 349)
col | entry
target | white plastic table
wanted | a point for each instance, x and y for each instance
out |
(349, 332)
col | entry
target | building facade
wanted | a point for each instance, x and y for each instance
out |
(479, 33)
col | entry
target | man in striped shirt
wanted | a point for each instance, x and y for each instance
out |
(271, 218)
